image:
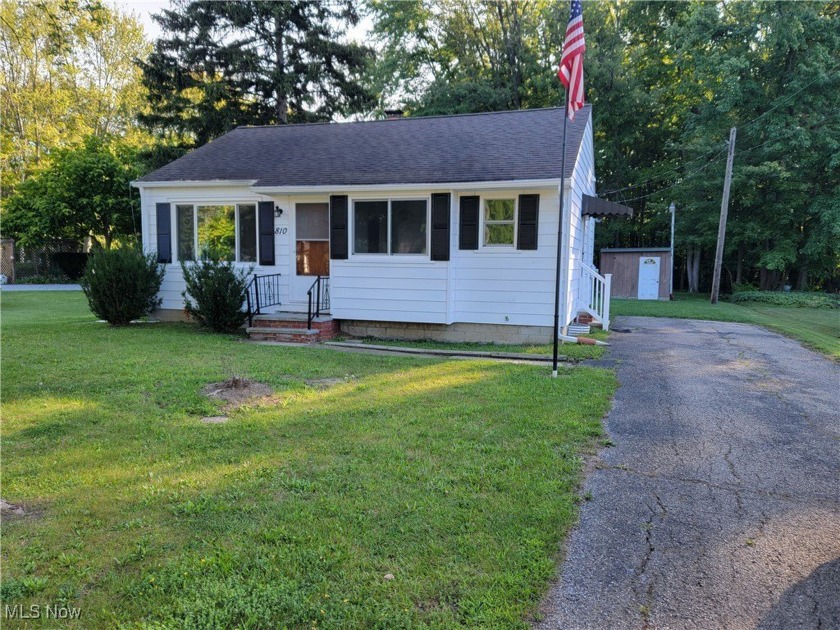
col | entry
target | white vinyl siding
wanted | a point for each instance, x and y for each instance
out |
(173, 281)
(503, 285)
(583, 182)
(398, 287)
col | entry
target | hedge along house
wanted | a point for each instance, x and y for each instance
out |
(439, 227)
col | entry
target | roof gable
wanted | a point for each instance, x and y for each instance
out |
(498, 146)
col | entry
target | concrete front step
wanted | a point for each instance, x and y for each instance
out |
(290, 320)
(288, 335)
(292, 328)
(276, 323)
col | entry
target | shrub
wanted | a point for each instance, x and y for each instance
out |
(790, 298)
(122, 284)
(744, 286)
(72, 264)
(56, 279)
(215, 294)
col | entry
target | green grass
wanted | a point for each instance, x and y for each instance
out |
(569, 350)
(818, 328)
(459, 478)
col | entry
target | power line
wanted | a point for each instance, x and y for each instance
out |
(784, 98)
(714, 160)
(780, 101)
(664, 175)
(677, 183)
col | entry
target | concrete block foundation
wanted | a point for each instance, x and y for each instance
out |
(458, 332)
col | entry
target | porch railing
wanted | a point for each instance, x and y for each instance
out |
(262, 292)
(319, 299)
(595, 294)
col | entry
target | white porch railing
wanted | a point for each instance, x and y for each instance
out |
(595, 294)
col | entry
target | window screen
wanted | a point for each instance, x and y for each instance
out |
(408, 227)
(186, 232)
(312, 221)
(370, 227)
(248, 233)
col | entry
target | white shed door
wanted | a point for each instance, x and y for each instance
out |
(649, 278)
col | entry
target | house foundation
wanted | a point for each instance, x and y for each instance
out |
(458, 332)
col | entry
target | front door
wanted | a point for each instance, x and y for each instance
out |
(312, 247)
(649, 278)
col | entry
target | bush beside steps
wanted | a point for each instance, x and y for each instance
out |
(215, 294)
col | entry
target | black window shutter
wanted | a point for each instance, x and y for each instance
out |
(529, 216)
(338, 227)
(440, 226)
(468, 226)
(265, 222)
(164, 233)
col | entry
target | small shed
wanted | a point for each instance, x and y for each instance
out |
(643, 273)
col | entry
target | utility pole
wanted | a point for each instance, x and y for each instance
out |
(724, 210)
(672, 209)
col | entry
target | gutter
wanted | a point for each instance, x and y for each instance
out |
(458, 186)
(303, 190)
(208, 183)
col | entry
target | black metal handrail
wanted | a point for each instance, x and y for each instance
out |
(319, 299)
(261, 292)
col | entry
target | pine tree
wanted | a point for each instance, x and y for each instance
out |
(223, 64)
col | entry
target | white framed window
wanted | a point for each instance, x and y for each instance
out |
(499, 222)
(221, 231)
(391, 226)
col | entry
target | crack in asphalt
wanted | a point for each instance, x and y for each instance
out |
(735, 490)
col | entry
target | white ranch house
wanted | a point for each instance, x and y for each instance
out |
(442, 227)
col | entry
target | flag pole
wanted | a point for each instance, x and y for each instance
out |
(560, 235)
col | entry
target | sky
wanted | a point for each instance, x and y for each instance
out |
(144, 9)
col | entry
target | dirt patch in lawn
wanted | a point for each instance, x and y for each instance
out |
(237, 392)
(12, 512)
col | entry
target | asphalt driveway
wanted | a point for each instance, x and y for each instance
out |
(719, 504)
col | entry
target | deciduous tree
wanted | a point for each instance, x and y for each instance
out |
(83, 193)
(67, 71)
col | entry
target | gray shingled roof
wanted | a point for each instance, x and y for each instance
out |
(498, 146)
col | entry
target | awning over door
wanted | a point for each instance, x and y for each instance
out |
(595, 207)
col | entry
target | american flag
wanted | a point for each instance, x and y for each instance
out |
(571, 61)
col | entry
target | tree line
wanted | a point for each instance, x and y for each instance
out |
(85, 93)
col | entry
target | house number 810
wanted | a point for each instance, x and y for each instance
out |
(281, 230)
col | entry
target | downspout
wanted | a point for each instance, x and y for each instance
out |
(586, 341)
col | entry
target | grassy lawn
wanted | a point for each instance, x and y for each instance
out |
(458, 478)
(569, 350)
(818, 328)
